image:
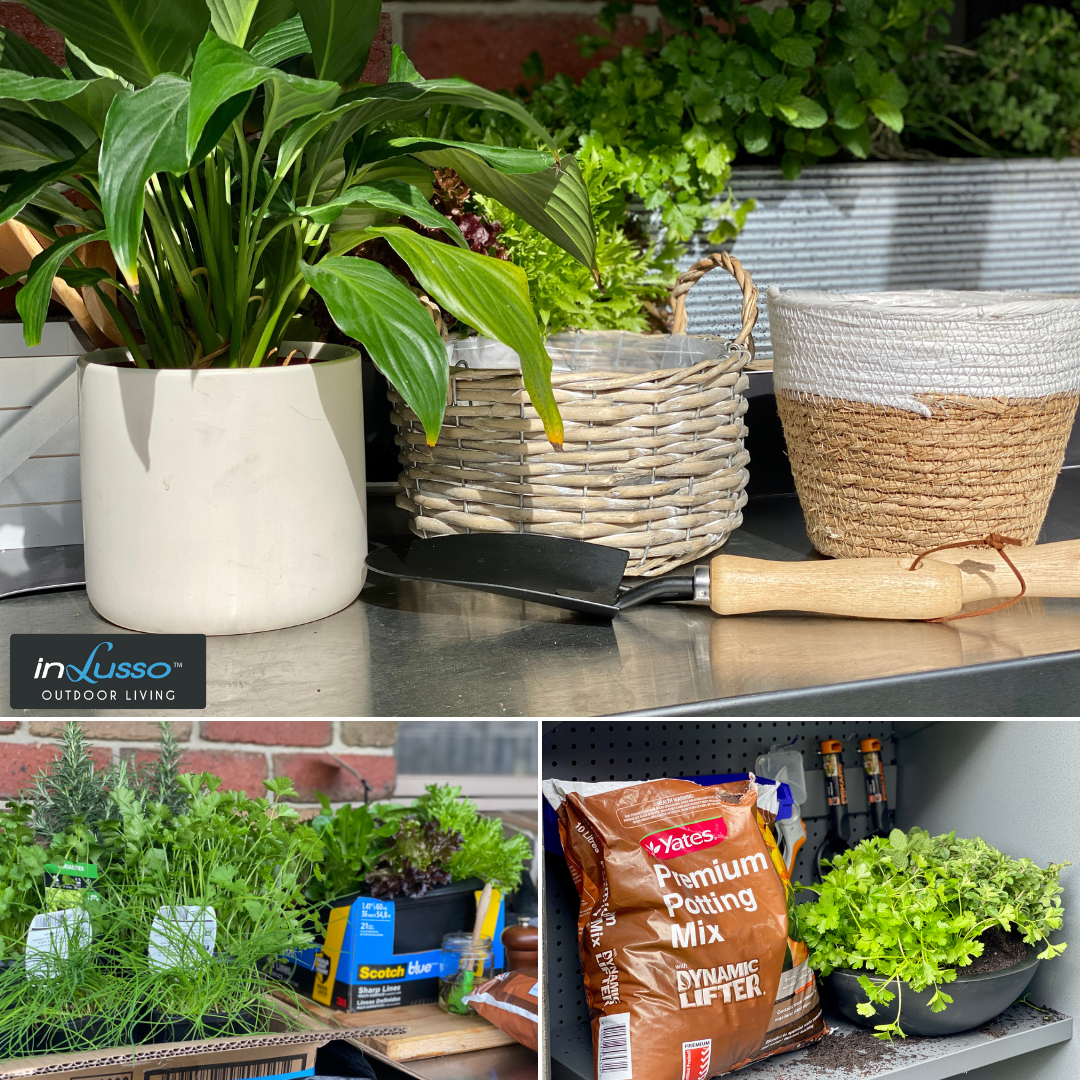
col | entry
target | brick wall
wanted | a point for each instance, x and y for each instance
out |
(316, 754)
(486, 41)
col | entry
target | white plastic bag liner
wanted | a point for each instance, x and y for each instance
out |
(595, 350)
(887, 348)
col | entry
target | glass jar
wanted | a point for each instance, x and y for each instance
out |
(463, 968)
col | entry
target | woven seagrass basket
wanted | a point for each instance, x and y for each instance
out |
(919, 419)
(653, 459)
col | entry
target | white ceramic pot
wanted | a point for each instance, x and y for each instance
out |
(225, 500)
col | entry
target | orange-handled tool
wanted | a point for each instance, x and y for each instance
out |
(876, 797)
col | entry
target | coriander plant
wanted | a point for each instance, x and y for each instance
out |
(230, 156)
(912, 909)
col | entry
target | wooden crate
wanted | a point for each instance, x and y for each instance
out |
(411, 1032)
(40, 499)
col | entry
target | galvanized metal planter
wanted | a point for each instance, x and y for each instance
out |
(872, 226)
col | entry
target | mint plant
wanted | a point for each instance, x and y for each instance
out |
(912, 909)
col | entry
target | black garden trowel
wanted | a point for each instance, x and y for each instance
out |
(588, 577)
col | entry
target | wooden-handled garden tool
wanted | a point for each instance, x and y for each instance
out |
(588, 577)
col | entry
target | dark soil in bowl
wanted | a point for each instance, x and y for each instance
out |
(1001, 949)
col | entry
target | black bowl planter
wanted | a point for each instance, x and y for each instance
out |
(976, 999)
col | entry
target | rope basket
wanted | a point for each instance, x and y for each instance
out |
(653, 459)
(919, 419)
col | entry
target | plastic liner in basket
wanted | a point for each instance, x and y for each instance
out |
(600, 350)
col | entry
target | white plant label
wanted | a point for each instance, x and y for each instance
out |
(50, 939)
(181, 935)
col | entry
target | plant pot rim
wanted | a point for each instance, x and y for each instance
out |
(874, 977)
(118, 355)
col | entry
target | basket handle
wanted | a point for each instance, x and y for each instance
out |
(689, 278)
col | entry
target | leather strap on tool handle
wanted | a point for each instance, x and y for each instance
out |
(689, 278)
(1047, 570)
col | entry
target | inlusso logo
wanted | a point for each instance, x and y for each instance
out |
(118, 671)
(124, 670)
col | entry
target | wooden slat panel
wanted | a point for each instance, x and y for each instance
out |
(25, 380)
(40, 526)
(42, 480)
(57, 338)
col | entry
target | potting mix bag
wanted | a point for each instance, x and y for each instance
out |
(511, 1001)
(683, 929)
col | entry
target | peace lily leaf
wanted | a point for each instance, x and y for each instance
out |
(93, 103)
(401, 67)
(19, 87)
(23, 186)
(269, 15)
(27, 142)
(341, 33)
(231, 19)
(490, 295)
(144, 134)
(138, 39)
(288, 97)
(386, 195)
(507, 159)
(368, 303)
(32, 300)
(283, 42)
(49, 198)
(223, 71)
(554, 202)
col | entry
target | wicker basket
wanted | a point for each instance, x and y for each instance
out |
(653, 460)
(919, 419)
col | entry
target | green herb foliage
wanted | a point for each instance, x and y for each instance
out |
(800, 84)
(74, 789)
(485, 851)
(247, 859)
(636, 274)
(1014, 90)
(912, 908)
(354, 838)
(440, 838)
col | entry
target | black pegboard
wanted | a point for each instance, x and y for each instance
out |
(592, 751)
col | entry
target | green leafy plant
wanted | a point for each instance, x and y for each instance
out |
(912, 908)
(418, 860)
(1014, 90)
(439, 838)
(74, 790)
(229, 155)
(636, 273)
(353, 840)
(22, 868)
(800, 84)
(246, 861)
(485, 852)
